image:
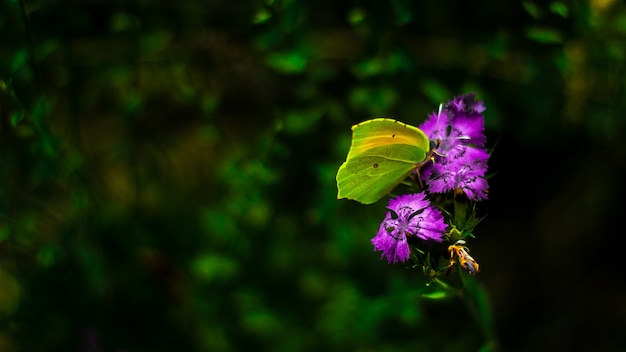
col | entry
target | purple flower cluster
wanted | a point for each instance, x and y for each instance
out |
(460, 157)
(459, 165)
(408, 215)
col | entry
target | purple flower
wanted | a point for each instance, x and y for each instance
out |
(408, 215)
(459, 124)
(460, 160)
(465, 174)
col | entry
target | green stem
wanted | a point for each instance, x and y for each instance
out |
(460, 213)
(476, 299)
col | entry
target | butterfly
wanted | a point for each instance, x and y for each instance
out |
(382, 154)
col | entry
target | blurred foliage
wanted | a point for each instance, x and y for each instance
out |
(168, 173)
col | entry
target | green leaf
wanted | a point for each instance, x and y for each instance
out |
(17, 117)
(261, 16)
(435, 91)
(402, 12)
(544, 35)
(356, 16)
(373, 100)
(532, 9)
(437, 295)
(290, 62)
(123, 21)
(301, 121)
(19, 60)
(559, 8)
(153, 42)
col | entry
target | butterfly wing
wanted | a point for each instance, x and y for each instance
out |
(383, 152)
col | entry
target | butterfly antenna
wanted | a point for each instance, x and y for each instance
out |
(438, 116)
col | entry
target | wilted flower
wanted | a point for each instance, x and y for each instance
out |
(408, 215)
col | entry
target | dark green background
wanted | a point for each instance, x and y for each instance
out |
(167, 173)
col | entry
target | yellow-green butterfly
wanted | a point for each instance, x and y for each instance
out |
(383, 153)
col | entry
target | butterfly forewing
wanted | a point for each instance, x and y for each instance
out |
(386, 132)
